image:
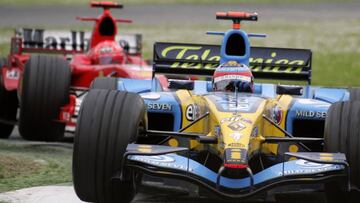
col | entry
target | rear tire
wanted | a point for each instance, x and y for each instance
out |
(45, 88)
(342, 134)
(108, 121)
(106, 83)
(8, 105)
(354, 94)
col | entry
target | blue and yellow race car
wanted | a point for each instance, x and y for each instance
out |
(223, 132)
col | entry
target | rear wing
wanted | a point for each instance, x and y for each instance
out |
(265, 62)
(30, 40)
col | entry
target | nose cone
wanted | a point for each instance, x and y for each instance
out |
(236, 132)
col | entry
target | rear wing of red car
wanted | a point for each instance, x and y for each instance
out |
(28, 40)
(265, 62)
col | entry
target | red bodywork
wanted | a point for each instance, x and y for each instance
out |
(105, 58)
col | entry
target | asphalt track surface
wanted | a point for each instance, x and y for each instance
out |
(154, 14)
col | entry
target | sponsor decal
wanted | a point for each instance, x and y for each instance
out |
(308, 167)
(233, 69)
(261, 59)
(145, 148)
(227, 102)
(237, 145)
(236, 119)
(161, 161)
(190, 53)
(230, 104)
(39, 38)
(255, 132)
(68, 40)
(236, 136)
(277, 114)
(12, 74)
(192, 112)
(326, 157)
(310, 114)
(236, 126)
(311, 102)
(232, 77)
(310, 170)
(235, 156)
(309, 164)
(232, 64)
(159, 106)
(106, 50)
(217, 131)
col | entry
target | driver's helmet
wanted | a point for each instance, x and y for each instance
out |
(233, 76)
(107, 52)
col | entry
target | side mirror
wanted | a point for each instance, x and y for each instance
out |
(289, 89)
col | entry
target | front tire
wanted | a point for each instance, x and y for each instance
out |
(8, 105)
(354, 94)
(342, 134)
(45, 88)
(108, 121)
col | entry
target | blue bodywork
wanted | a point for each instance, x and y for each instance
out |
(313, 104)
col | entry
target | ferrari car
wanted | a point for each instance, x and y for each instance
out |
(228, 135)
(47, 71)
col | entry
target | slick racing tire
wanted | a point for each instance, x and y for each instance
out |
(108, 121)
(354, 94)
(8, 106)
(342, 134)
(44, 89)
(106, 83)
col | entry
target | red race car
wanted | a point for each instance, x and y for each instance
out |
(44, 73)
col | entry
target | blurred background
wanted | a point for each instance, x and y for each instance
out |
(331, 28)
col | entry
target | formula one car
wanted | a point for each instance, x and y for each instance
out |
(47, 86)
(237, 139)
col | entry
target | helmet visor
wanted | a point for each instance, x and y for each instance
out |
(230, 82)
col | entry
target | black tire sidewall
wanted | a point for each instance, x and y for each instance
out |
(45, 88)
(342, 134)
(354, 94)
(107, 122)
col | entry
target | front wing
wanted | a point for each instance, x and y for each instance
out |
(165, 161)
